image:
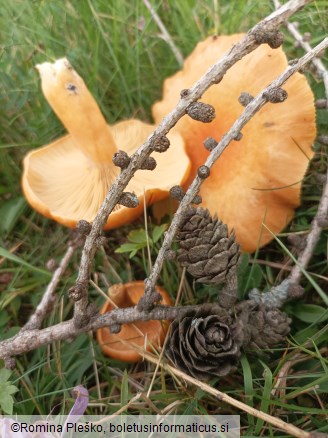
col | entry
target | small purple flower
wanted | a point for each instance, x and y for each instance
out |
(9, 428)
(81, 396)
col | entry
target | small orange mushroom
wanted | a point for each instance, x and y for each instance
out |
(257, 179)
(68, 179)
(141, 334)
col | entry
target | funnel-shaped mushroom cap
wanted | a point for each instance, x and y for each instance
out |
(258, 179)
(141, 334)
(68, 179)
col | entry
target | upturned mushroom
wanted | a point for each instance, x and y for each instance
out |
(68, 179)
(258, 177)
(126, 344)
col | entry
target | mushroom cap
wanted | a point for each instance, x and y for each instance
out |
(257, 179)
(68, 179)
(61, 183)
(143, 334)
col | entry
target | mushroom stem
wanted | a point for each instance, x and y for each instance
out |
(74, 105)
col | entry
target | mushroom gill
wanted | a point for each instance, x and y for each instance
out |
(68, 179)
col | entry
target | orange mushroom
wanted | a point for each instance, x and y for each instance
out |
(68, 179)
(258, 179)
(141, 334)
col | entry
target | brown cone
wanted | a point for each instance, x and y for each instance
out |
(206, 249)
(205, 343)
(263, 327)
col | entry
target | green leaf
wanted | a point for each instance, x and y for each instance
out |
(132, 248)
(4, 318)
(133, 253)
(125, 389)
(6, 402)
(4, 375)
(255, 276)
(249, 276)
(12, 331)
(10, 213)
(138, 236)
(305, 334)
(158, 232)
(8, 255)
(309, 312)
(248, 385)
(126, 247)
(6, 389)
(265, 399)
(11, 389)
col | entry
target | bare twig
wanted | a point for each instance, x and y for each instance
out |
(321, 103)
(323, 139)
(167, 334)
(252, 108)
(322, 212)
(312, 238)
(276, 422)
(320, 68)
(165, 34)
(214, 75)
(49, 295)
(31, 339)
(284, 267)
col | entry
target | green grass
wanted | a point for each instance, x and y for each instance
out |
(115, 46)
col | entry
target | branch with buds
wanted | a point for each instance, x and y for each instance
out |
(29, 339)
(237, 324)
(266, 31)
